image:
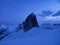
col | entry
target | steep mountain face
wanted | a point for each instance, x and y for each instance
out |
(30, 22)
(57, 14)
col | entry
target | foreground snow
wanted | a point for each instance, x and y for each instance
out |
(35, 36)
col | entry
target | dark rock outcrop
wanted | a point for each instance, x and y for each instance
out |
(3, 32)
(30, 22)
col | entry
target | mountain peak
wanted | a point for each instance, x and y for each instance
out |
(32, 14)
(29, 23)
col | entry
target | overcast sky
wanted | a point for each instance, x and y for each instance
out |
(15, 11)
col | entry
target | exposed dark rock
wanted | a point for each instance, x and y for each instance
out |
(3, 32)
(30, 22)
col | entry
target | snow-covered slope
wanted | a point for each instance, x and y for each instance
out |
(36, 36)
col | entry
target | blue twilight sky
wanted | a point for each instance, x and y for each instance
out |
(15, 11)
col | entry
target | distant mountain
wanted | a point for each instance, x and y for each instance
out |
(57, 14)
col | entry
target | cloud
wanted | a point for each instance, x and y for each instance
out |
(47, 12)
(52, 18)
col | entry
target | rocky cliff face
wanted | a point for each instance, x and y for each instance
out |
(29, 23)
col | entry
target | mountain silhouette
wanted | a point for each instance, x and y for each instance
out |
(29, 23)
